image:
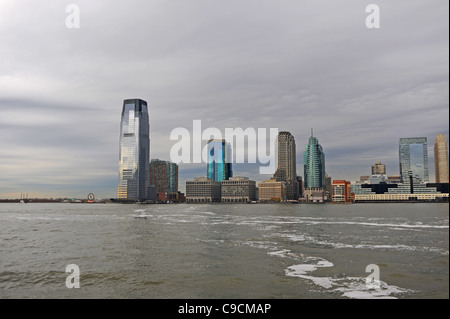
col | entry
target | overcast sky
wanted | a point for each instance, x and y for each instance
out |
(288, 64)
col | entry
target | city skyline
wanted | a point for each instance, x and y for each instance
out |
(291, 66)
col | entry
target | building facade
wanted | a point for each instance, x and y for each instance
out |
(164, 175)
(219, 167)
(238, 190)
(441, 159)
(314, 164)
(315, 195)
(134, 151)
(412, 190)
(378, 169)
(286, 164)
(202, 190)
(286, 155)
(272, 191)
(413, 155)
(342, 191)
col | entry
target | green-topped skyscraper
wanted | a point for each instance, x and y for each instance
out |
(314, 163)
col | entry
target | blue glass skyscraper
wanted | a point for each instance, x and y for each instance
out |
(413, 154)
(314, 164)
(134, 152)
(219, 160)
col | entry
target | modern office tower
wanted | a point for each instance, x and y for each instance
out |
(286, 155)
(378, 169)
(413, 155)
(134, 151)
(164, 175)
(342, 192)
(238, 190)
(314, 164)
(441, 159)
(286, 164)
(271, 190)
(219, 160)
(202, 190)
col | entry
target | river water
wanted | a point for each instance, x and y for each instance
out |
(224, 251)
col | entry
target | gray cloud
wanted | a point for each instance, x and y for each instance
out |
(291, 65)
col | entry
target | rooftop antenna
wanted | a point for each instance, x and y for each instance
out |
(312, 135)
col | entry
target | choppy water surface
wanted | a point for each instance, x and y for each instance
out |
(224, 251)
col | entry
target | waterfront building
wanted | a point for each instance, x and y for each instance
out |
(413, 190)
(238, 190)
(286, 164)
(134, 151)
(394, 179)
(286, 155)
(272, 190)
(219, 166)
(300, 186)
(164, 175)
(202, 190)
(328, 185)
(441, 159)
(413, 155)
(315, 195)
(341, 191)
(314, 164)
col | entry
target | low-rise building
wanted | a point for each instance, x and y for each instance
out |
(271, 190)
(202, 190)
(238, 190)
(315, 195)
(342, 192)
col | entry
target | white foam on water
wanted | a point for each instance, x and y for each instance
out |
(259, 244)
(285, 253)
(302, 271)
(355, 287)
(351, 287)
(328, 222)
(294, 237)
(365, 295)
(207, 213)
(139, 211)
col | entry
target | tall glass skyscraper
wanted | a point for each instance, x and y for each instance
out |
(314, 164)
(413, 155)
(134, 151)
(219, 160)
